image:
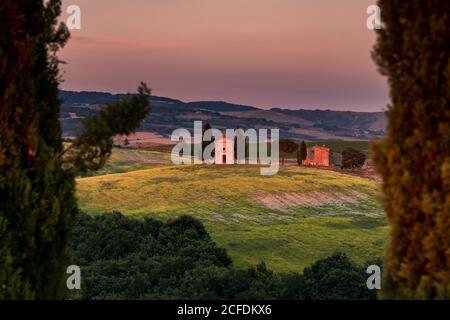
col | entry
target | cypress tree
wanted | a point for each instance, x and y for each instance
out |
(413, 52)
(37, 202)
(206, 127)
(37, 196)
(299, 156)
(303, 152)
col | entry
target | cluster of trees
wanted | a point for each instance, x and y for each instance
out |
(126, 258)
(288, 146)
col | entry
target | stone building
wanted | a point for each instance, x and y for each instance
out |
(317, 156)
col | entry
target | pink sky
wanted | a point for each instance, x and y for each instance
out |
(267, 53)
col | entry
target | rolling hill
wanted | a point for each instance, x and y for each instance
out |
(169, 114)
(288, 220)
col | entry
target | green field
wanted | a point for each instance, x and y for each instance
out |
(126, 160)
(288, 220)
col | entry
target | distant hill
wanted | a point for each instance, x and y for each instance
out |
(220, 106)
(168, 114)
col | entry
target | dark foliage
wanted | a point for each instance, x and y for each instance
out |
(335, 277)
(302, 153)
(205, 128)
(37, 200)
(352, 158)
(124, 258)
(287, 146)
(413, 52)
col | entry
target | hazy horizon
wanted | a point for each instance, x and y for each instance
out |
(227, 101)
(290, 54)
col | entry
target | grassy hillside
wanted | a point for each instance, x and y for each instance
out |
(125, 160)
(288, 220)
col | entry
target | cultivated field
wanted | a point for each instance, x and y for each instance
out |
(288, 220)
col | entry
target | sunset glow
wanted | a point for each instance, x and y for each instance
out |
(268, 53)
